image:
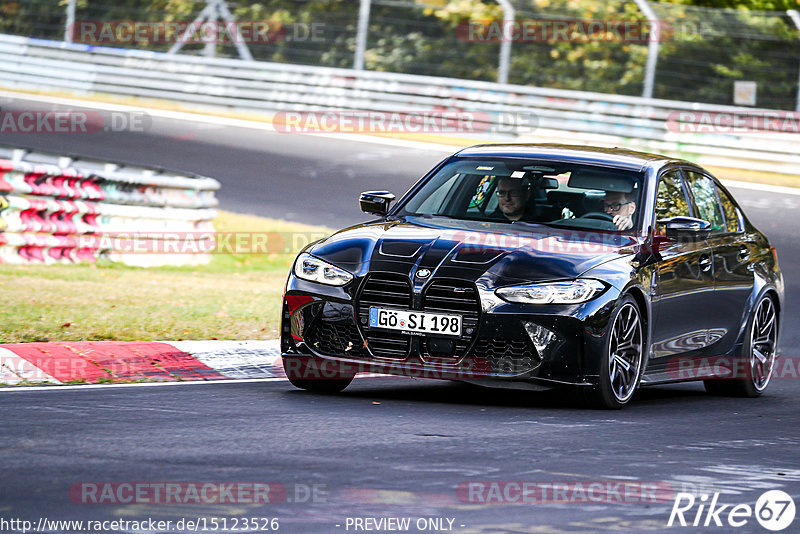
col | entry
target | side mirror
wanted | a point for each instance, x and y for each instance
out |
(376, 202)
(686, 228)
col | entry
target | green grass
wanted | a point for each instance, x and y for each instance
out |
(236, 296)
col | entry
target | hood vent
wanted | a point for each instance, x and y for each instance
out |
(399, 249)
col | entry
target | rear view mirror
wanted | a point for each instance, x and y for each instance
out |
(376, 202)
(549, 183)
(686, 228)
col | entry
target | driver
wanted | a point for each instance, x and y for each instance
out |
(621, 207)
(513, 197)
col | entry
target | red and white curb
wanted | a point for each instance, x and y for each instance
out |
(95, 362)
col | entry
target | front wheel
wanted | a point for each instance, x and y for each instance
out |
(757, 356)
(323, 377)
(623, 356)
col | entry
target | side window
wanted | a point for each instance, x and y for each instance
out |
(705, 198)
(671, 200)
(436, 201)
(483, 202)
(732, 218)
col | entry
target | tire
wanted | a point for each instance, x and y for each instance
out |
(623, 359)
(321, 377)
(757, 356)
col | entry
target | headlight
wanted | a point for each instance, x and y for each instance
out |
(553, 292)
(314, 269)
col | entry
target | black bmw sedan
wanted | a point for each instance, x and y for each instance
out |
(542, 266)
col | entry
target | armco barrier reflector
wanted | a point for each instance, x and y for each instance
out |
(58, 210)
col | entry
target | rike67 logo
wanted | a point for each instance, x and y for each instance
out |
(774, 510)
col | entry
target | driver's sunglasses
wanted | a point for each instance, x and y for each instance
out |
(513, 193)
(616, 206)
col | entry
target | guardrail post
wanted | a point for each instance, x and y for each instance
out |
(361, 35)
(70, 20)
(652, 47)
(795, 16)
(214, 10)
(226, 15)
(509, 15)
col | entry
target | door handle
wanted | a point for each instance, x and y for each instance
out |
(704, 263)
(744, 253)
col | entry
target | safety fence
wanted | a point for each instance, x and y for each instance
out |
(713, 135)
(669, 49)
(57, 210)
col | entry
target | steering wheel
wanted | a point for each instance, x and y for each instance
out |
(603, 216)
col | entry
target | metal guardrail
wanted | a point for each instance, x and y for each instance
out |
(54, 209)
(663, 126)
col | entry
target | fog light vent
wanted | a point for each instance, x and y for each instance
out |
(541, 337)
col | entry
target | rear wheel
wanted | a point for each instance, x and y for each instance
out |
(621, 367)
(757, 357)
(323, 377)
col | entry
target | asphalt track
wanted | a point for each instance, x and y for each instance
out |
(384, 447)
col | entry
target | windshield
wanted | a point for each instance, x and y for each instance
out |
(534, 191)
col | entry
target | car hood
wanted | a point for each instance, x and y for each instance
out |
(497, 253)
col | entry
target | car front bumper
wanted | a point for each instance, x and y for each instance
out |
(326, 325)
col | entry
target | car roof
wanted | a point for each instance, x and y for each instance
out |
(612, 157)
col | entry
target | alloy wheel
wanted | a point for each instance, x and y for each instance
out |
(763, 338)
(625, 353)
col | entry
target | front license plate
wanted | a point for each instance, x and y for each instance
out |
(415, 322)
